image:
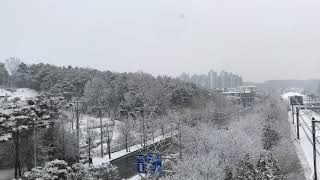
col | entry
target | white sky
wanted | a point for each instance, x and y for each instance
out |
(258, 39)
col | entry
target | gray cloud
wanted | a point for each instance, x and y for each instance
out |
(261, 40)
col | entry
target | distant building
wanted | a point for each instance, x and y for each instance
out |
(213, 80)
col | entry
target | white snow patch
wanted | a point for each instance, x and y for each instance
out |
(22, 93)
(90, 121)
(285, 96)
(5, 137)
(136, 177)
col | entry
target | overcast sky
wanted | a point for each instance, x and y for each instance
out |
(258, 39)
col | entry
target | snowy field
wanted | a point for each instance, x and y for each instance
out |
(89, 121)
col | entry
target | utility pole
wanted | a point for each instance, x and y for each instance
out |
(292, 111)
(78, 125)
(108, 136)
(63, 148)
(101, 132)
(297, 113)
(143, 133)
(108, 141)
(180, 139)
(89, 140)
(99, 107)
(34, 147)
(292, 107)
(314, 148)
(108, 131)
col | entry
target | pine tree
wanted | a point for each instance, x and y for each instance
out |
(245, 169)
(22, 75)
(268, 168)
(20, 117)
(4, 75)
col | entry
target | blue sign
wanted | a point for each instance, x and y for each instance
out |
(140, 163)
(158, 163)
(154, 163)
(149, 158)
(151, 162)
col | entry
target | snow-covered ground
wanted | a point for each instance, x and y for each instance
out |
(303, 146)
(22, 93)
(305, 143)
(136, 177)
(118, 154)
(90, 121)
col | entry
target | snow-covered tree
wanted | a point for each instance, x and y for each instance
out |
(12, 65)
(268, 168)
(4, 75)
(23, 78)
(17, 117)
(59, 169)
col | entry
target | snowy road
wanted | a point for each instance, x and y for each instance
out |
(121, 153)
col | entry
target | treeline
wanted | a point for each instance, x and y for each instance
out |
(67, 81)
(141, 97)
(122, 93)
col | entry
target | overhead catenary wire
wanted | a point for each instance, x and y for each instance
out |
(308, 112)
(318, 142)
(308, 137)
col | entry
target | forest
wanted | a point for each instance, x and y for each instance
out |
(216, 139)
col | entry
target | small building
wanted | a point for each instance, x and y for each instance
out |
(296, 100)
(247, 98)
(244, 95)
